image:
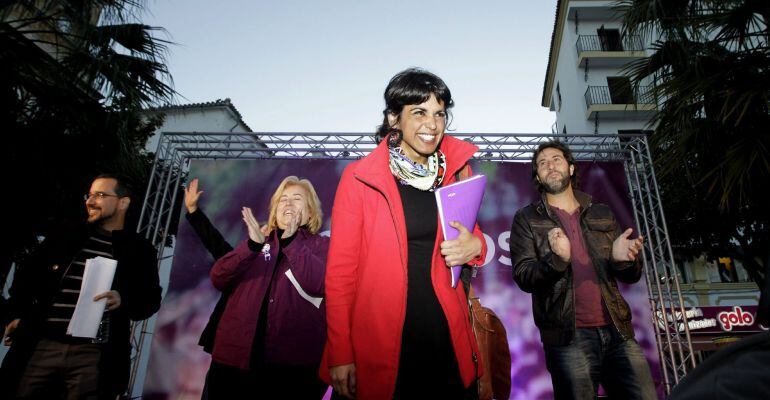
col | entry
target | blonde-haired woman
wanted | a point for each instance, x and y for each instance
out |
(279, 198)
(269, 341)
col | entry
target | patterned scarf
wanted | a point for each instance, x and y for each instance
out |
(415, 174)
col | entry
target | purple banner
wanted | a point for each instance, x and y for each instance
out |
(178, 365)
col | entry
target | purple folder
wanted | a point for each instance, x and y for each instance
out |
(460, 202)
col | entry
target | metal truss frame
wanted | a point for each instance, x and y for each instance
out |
(176, 149)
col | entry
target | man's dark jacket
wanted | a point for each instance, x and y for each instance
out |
(37, 281)
(537, 270)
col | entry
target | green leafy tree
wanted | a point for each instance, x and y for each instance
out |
(75, 78)
(710, 64)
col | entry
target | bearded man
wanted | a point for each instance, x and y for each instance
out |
(46, 362)
(569, 252)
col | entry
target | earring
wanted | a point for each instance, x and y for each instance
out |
(394, 137)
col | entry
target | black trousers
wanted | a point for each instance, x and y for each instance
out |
(59, 370)
(267, 381)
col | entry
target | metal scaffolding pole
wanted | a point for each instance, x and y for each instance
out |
(177, 149)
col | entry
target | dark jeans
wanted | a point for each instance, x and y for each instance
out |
(268, 381)
(59, 370)
(599, 355)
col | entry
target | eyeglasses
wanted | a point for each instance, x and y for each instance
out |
(98, 195)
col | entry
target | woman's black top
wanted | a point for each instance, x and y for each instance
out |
(427, 360)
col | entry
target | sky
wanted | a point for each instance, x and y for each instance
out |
(323, 65)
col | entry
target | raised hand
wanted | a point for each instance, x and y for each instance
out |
(256, 233)
(295, 221)
(625, 249)
(191, 196)
(461, 250)
(559, 243)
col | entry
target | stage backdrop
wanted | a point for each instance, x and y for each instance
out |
(178, 365)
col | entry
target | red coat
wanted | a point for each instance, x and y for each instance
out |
(366, 276)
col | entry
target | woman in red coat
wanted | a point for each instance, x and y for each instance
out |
(396, 327)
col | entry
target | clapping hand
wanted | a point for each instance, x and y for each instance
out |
(559, 243)
(625, 249)
(295, 220)
(256, 233)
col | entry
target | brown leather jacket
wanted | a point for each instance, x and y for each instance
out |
(538, 271)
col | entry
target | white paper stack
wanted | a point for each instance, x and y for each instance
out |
(97, 279)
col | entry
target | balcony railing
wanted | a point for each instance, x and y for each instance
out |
(623, 95)
(608, 43)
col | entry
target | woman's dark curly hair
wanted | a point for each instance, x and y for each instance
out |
(412, 86)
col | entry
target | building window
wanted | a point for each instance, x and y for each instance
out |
(609, 39)
(620, 90)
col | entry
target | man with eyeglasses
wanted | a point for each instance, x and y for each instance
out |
(44, 362)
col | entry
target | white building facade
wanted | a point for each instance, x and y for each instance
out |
(584, 82)
(585, 85)
(213, 116)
